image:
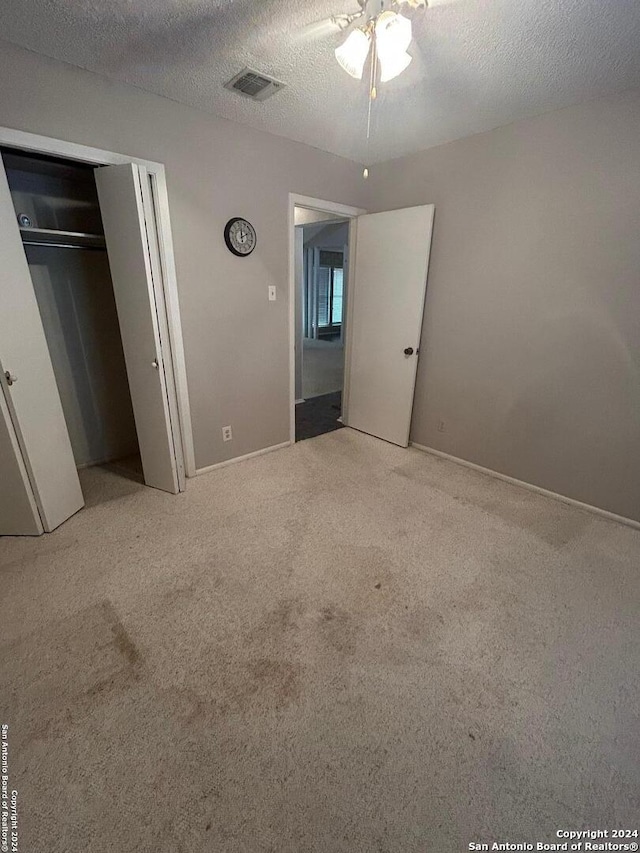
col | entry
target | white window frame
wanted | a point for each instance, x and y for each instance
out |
(317, 258)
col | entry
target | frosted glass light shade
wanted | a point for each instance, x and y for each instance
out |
(393, 33)
(393, 37)
(391, 65)
(352, 55)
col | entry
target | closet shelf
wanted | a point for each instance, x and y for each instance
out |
(61, 239)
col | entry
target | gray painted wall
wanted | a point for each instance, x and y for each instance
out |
(236, 341)
(332, 236)
(306, 216)
(531, 342)
(531, 350)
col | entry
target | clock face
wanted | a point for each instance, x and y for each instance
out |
(240, 237)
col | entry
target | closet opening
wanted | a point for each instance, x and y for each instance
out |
(58, 213)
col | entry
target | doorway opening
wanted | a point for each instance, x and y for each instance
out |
(56, 204)
(380, 308)
(321, 265)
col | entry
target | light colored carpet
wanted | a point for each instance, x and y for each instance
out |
(322, 367)
(338, 647)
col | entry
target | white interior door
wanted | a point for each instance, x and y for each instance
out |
(127, 215)
(386, 306)
(19, 514)
(32, 396)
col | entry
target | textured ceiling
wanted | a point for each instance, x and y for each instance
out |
(478, 64)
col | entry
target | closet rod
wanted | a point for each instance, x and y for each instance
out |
(61, 245)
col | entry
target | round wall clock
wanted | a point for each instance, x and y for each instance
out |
(240, 236)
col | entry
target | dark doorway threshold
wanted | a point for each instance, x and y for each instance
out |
(318, 415)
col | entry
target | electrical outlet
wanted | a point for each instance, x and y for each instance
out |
(272, 293)
(227, 433)
(440, 426)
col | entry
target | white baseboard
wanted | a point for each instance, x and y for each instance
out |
(621, 519)
(224, 464)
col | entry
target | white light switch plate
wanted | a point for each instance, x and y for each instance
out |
(272, 293)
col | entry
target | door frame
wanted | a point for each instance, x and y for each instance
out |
(31, 142)
(351, 213)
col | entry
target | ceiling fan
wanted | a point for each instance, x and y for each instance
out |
(383, 31)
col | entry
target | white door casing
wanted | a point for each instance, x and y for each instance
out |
(386, 306)
(300, 307)
(32, 399)
(127, 217)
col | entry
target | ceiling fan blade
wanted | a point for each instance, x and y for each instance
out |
(328, 26)
(318, 29)
(433, 4)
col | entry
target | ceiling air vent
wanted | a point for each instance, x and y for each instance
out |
(253, 85)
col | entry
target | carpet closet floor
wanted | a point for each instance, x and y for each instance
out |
(340, 646)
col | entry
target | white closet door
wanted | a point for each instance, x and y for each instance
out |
(32, 395)
(127, 216)
(19, 514)
(386, 306)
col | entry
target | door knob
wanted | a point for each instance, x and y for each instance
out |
(408, 351)
(155, 364)
(10, 377)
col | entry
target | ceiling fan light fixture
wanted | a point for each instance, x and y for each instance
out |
(352, 54)
(392, 65)
(393, 33)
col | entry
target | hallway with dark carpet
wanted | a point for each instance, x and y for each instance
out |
(318, 415)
